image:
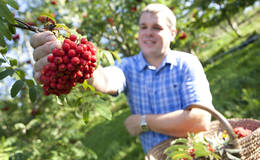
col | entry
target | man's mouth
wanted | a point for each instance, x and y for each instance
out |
(149, 42)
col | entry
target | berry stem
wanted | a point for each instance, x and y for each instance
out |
(26, 26)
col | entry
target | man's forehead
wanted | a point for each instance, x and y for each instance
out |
(157, 17)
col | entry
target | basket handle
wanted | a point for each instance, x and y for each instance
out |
(223, 120)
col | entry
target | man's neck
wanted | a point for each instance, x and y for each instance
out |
(155, 60)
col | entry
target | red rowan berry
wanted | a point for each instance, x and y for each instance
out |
(83, 41)
(60, 86)
(58, 60)
(75, 60)
(67, 41)
(72, 53)
(53, 85)
(55, 52)
(73, 45)
(62, 67)
(66, 46)
(73, 37)
(71, 67)
(79, 50)
(50, 58)
(65, 59)
(79, 74)
(93, 59)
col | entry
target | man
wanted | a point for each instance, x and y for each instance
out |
(159, 83)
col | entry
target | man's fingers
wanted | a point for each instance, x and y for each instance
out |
(38, 66)
(37, 76)
(45, 49)
(40, 38)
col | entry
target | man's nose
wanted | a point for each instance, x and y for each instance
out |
(149, 32)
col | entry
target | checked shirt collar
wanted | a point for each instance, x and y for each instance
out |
(168, 59)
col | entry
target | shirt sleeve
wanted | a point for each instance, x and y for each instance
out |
(195, 86)
(120, 72)
(118, 78)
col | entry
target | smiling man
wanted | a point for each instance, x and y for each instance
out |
(159, 83)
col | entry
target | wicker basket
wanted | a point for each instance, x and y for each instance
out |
(249, 145)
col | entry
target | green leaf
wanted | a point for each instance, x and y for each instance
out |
(2, 41)
(176, 155)
(18, 85)
(32, 123)
(180, 140)
(61, 100)
(5, 12)
(5, 73)
(200, 150)
(29, 82)
(32, 93)
(2, 61)
(3, 50)
(86, 86)
(11, 28)
(104, 111)
(4, 30)
(13, 62)
(20, 73)
(177, 147)
(109, 57)
(86, 115)
(19, 126)
(13, 4)
(49, 16)
(115, 54)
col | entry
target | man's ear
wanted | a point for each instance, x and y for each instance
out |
(173, 33)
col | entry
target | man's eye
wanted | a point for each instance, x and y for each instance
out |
(143, 27)
(157, 28)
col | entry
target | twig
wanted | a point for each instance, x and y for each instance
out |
(27, 26)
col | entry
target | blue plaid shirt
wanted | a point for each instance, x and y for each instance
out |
(178, 82)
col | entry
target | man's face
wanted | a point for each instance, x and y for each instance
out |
(154, 34)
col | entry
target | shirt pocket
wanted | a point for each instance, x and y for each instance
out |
(175, 96)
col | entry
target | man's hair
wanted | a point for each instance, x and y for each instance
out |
(155, 8)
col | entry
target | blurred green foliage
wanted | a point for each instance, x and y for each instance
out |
(89, 125)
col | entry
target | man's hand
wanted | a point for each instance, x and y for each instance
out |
(132, 124)
(43, 44)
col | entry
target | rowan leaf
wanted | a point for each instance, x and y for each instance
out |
(4, 30)
(6, 73)
(32, 93)
(13, 4)
(5, 12)
(3, 50)
(104, 111)
(17, 86)
(29, 82)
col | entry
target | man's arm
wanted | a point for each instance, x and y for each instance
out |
(180, 122)
(176, 123)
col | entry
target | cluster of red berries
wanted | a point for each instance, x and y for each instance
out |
(242, 132)
(183, 35)
(71, 64)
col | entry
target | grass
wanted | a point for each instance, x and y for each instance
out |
(222, 41)
(110, 140)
